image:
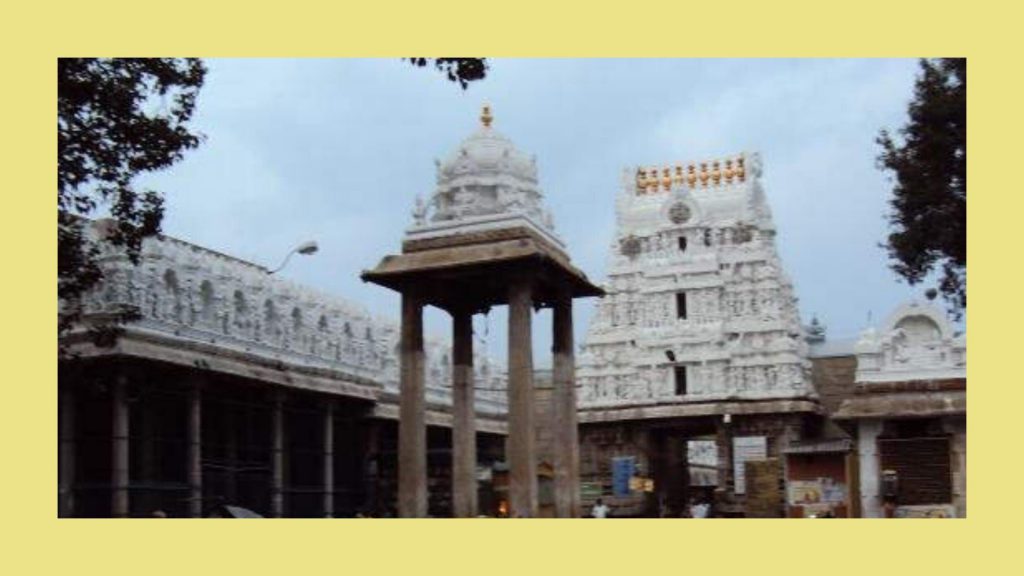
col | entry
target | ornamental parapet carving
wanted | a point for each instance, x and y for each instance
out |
(195, 294)
(701, 174)
(917, 342)
(716, 382)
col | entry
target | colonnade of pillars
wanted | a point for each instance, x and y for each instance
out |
(521, 450)
(120, 504)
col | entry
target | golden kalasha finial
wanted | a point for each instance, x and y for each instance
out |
(666, 178)
(716, 172)
(485, 116)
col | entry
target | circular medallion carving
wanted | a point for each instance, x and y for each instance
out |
(629, 246)
(679, 213)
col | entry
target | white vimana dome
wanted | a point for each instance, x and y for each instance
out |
(486, 153)
(486, 179)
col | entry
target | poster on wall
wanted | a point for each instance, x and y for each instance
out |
(764, 499)
(746, 448)
(822, 490)
(926, 511)
(804, 492)
(623, 468)
(591, 490)
(832, 492)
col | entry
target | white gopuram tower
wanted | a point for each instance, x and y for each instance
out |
(700, 324)
(698, 306)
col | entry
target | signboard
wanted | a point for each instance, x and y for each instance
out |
(818, 491)
(590, 490)
(764, 496)
(926, 511)
(804, 492)
(641, 484)
(746, 448)
(623, 468)
(484, 473)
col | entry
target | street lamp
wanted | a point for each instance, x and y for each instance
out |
(306, 248)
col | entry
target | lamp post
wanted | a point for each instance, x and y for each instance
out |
(306, 248)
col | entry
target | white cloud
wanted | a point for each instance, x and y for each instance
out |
(336, 150)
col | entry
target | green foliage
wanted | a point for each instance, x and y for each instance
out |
(929, 162)
(116, 118)
(461, 70)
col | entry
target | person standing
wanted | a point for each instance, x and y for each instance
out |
(698, 509)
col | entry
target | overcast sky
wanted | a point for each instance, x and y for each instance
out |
(337, 150)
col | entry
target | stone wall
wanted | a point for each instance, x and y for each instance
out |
(833, 378)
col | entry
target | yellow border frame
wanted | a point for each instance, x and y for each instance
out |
(36, 34)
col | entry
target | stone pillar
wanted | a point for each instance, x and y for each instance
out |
(195, 452)
(464, 490)
(676, 471)
(723, 444)
(277, 458)
(521, 433)
(145, 438)
(412, 424)
(66, 460)
(371, 466)
(230, 428)
(957, 428)
(119, 503)
(329, 459)
(867, 449)
(566, 433)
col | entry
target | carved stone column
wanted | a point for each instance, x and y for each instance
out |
(277, 457)
(566, 433)
(230, 427)
(464, 491)
(870, 470)
(195, 451)
(521, 432)
(66, 461)
(723, 445)
(412, 425)
(119, 503)
(371, 465)
(329, 459)
(676, 473)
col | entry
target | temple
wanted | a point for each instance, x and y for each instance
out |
(697, 351)
(697, 389)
